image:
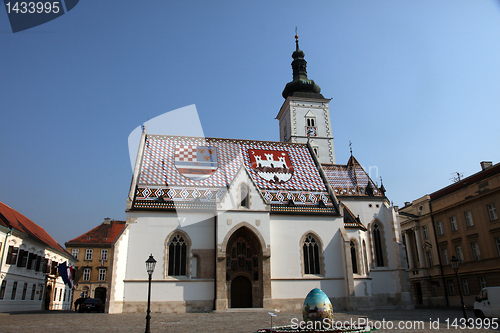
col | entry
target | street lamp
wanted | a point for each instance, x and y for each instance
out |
(150, 267)
(454, 263)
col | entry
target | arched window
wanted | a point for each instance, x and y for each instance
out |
(311, 252)
(354, 259)
(365, 257)
(177, 255)
(244, 202)
(377, 244)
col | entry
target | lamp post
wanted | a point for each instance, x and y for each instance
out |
(454, 263)
(150, 267)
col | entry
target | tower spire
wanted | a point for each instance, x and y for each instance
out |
(301, 85)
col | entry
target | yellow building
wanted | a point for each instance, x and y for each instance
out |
(459, 220)
(94, 251)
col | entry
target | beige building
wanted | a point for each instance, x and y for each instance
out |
(94, 251)
(459, 220)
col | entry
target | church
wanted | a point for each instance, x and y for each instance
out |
(258, 224)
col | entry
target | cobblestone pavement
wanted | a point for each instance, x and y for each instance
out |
(230, 322)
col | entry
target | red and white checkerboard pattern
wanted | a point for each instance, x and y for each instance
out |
(185, 153)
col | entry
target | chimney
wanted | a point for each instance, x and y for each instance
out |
(485, 165)
(107, 220)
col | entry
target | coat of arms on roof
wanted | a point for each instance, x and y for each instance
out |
(196, 162)
(272, 165)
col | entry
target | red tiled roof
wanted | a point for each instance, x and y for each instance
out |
(12, 219)
(104, 233)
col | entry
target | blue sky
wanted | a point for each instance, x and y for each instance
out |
(415, 87)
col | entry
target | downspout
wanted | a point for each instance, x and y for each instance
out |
(215, 260)
(439, 255)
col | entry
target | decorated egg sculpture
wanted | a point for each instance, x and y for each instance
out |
(317, 306)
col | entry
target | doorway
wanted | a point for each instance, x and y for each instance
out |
(241, 292)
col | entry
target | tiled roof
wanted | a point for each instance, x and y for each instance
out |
(12, 219)
(350, 179)
(351, 221)
(104, 234)
(281, 171)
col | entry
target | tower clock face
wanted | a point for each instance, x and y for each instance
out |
(311, 131)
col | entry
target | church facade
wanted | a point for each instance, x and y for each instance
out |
(258, 224)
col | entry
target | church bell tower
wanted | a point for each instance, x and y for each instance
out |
(305, 115)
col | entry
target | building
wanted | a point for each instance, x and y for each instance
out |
(95, 252)
(248, 223)
(459, 220)
(29, 278)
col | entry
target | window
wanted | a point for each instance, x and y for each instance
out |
(429, 259)
(434, 288)
(468, 218)
(102, 274)
(14, 290)
(354, 258)
(425, 231)
(177, 254)
(482, 282)
(460, 253)
(465, 287)
(377, 243)
(244, 196)
(497, 242)
(311, 251)
(451, 290)
(453, 223)
(440, 228)
(41, 293)
(475, 250)
(23, 258)
(85, 292)
(64, 297)
(60, 294)
(311, 121)
(12, 255)
(75, 253)
(31, 261)
(444, 254)
(2, 289)
(33, 291)
(104, 254)
(25, 289)
(492, 211)
(55, 294)
(88, 254)
(86, 274)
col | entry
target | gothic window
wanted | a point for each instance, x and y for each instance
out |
(177, 255)
(377, 244)
(311, 255)
(354, 258)
(244, 202)
(365, 257)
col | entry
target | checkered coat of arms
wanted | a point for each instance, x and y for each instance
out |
(196, 162)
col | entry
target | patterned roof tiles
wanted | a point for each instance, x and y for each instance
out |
(350, 179)
(181, 169)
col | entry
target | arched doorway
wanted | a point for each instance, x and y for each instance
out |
(241, 292)
(244, 270)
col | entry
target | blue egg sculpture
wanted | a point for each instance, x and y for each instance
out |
(317, 306)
